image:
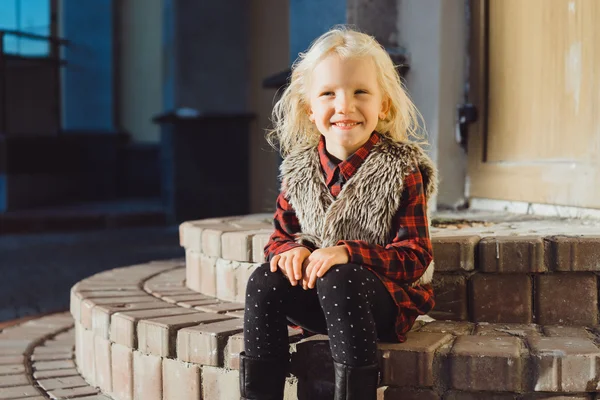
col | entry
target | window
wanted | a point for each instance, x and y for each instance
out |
(30, 16)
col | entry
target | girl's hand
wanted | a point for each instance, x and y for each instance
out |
(290, 262)
(320, 261)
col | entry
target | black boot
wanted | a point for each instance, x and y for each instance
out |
(262, 378)
(356, 383)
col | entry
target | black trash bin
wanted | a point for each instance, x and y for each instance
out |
(204, 164)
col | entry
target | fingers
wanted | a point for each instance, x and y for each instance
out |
(297, 266)
(307, 270)
(313, 273)
(289, 270)
(274, 262)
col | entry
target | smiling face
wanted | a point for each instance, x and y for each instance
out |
(346, 102)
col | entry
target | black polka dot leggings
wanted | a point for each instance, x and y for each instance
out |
(349, 303)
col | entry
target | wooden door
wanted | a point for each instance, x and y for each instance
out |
(536, 83)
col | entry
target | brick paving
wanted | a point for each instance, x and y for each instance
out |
(517, 310)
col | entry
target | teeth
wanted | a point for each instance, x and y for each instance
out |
(345, 124)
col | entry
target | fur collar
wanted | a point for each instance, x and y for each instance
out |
(365, 207)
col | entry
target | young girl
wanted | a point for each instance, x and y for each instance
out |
(351, 253)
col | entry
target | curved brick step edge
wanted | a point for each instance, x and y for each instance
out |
(36, 361)
(438, 357)
(473, 269)
(160, 341)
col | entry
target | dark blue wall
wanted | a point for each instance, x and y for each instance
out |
(87, 81)
(311, 18)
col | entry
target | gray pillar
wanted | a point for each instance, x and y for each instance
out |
(311, 18)
(206, 55)
(87, 80)
(433, 32)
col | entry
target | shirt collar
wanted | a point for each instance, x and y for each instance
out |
(331, 165)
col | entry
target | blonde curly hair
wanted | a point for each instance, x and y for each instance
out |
(291, 127)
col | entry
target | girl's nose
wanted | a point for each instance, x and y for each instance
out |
(344, 104)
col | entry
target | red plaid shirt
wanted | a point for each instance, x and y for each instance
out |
(398, 263)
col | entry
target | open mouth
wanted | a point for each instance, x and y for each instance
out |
(346, 124)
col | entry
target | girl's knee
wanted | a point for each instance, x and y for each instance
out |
(341, 274)
(263, 282)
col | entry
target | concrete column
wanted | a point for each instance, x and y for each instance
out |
(311, 18)
(206, 54)
(87, 80)
(433, 32)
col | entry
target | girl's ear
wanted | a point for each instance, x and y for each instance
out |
(385, 107)
(311, 115)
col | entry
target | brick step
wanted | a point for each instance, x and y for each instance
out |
(140, 332)
(530, 271)
(37, 361)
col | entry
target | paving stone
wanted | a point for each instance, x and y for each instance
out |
(87, 366)
(123, 324)
(220, 384)
(411, 363)
(566, 331)
(50, 348)
(14, 380)
(158, 336)
(552, 396)
(72, 392)
(231, 353)
(453, 327)
(13, 359)
(237, 246)
(512, 254)
(205, 344)
(394, 393)
(62, 383)
(458, 395)
(19, 392)
(11, 369)
(451, 301)
(221, 308)
(236, 314)
(501, 298)
(243, 275)
(565, 364)
(190, 236)
(14, 347)
(487, 363)
(101, 314)
(180, 380)
(55, 373)
(211, 240)
(517, 330)
(52, 365)
(122, 371)
(193, 279)
(88, 304)
(567, 299)
(454, 253)
(226, 279)
(568, 253)
(194, 303)
(259, 241)
(208, 276)
(147, 376)
(190, 296)
(52, 356)
(103, 364)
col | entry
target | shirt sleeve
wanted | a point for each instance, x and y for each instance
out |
(286, 225)
(410, 252)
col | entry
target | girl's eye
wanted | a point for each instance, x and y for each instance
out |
(361, 91)
(327, 94)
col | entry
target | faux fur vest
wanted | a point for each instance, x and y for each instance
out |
(365, 208)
